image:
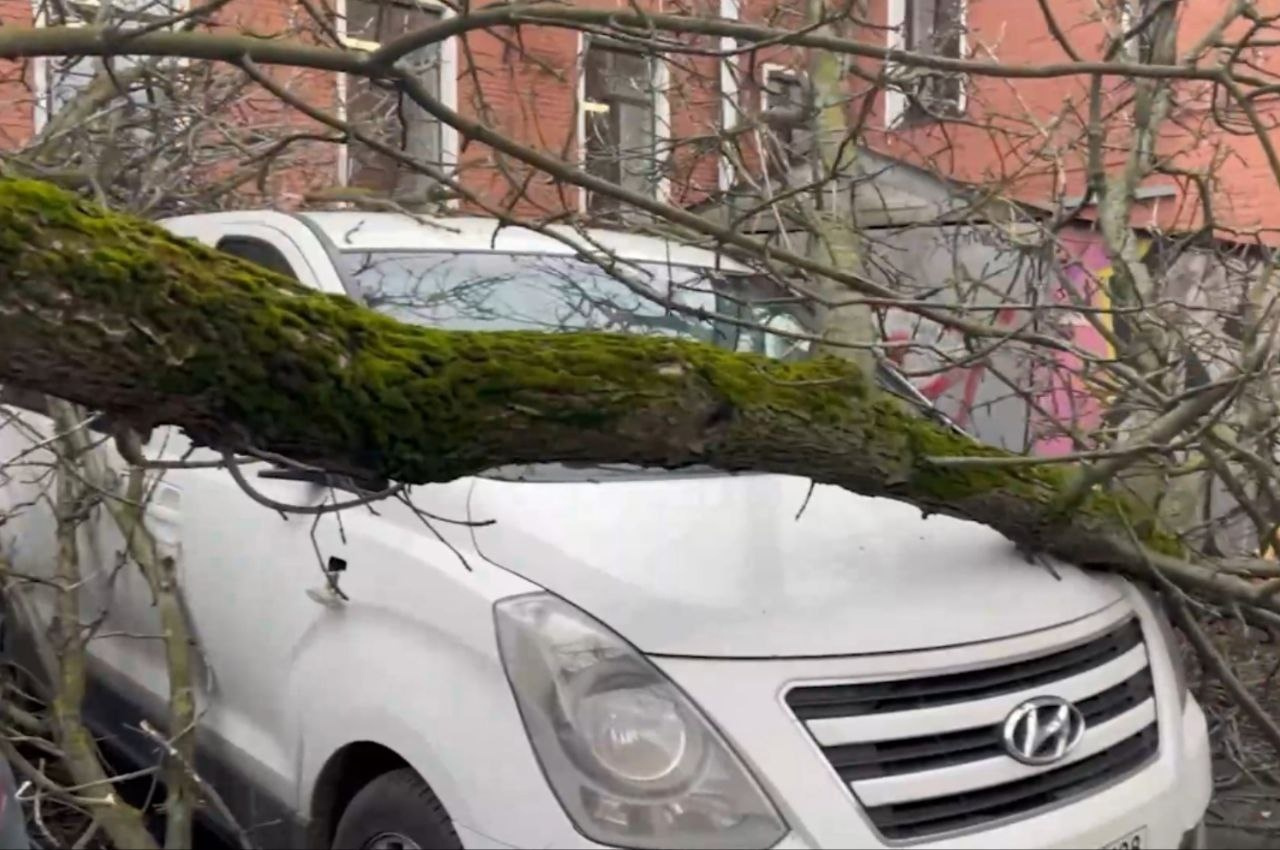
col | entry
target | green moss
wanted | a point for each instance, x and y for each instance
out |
(1040, 485)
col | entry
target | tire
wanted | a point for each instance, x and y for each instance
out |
(396, 810)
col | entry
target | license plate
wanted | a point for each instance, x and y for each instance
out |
(1135, 840)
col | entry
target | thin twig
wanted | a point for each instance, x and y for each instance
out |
(1218, 666)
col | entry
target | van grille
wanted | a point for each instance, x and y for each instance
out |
(942, 766)
(880, 697)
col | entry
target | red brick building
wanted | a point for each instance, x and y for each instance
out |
(1029, 134)
(689, 127)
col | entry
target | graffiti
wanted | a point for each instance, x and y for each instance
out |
(1067, 401)
(960, 382)
(1057, 397)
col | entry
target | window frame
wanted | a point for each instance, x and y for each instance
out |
(42, 84)
(1128, 14)
(730, 69)
(900, 110)
(798, 151)
(659, 82)
(448, 89)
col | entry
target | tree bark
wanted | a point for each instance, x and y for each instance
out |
(122, 822)
(115, 313)
(835, 238)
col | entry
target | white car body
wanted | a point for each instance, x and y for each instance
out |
(742, 589)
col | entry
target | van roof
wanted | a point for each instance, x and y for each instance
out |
(389, 231)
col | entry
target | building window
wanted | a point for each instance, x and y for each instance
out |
(934, 28)
(61, 79)
(381, 112)
(619, 121)
(1131, 14)
(787, 113)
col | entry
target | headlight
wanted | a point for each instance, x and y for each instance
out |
(631, 759)
(1172, 643)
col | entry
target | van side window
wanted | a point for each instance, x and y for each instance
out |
(259, 252)
(36, 402)
(23, 398)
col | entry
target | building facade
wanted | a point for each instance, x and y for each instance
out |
(713, 115)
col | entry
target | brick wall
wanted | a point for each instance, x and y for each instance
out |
(1024, 135)
(16, 120)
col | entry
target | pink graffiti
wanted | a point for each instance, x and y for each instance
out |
(1064, 401)
(967, 377)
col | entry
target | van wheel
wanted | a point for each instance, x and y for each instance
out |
(396, 811)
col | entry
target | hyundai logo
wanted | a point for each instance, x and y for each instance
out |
(1042, 730)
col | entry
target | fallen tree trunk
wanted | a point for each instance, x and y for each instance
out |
(116, 314)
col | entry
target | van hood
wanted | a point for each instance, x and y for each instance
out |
(758, 566)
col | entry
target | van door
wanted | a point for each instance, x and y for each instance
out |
(115, 602)
(245, 570)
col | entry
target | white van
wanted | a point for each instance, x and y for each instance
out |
(584, 656)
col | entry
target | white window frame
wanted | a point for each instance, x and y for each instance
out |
(1124, 14)
(730, 96)
(580, 114)
(1125, 18)
(770, 68)
(662, 123)
(40, 64)
(895, 101)
(660, 84)
(40, 73)
(448, 90)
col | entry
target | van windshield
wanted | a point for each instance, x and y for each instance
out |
(486, 290)
(483, 290)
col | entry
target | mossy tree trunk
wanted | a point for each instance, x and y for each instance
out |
(116, 314)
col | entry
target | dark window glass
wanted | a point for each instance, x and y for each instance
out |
(936, 28)
(787, 108)
(259, 252)
(385, 114)
(620, 121)
(26, 399)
